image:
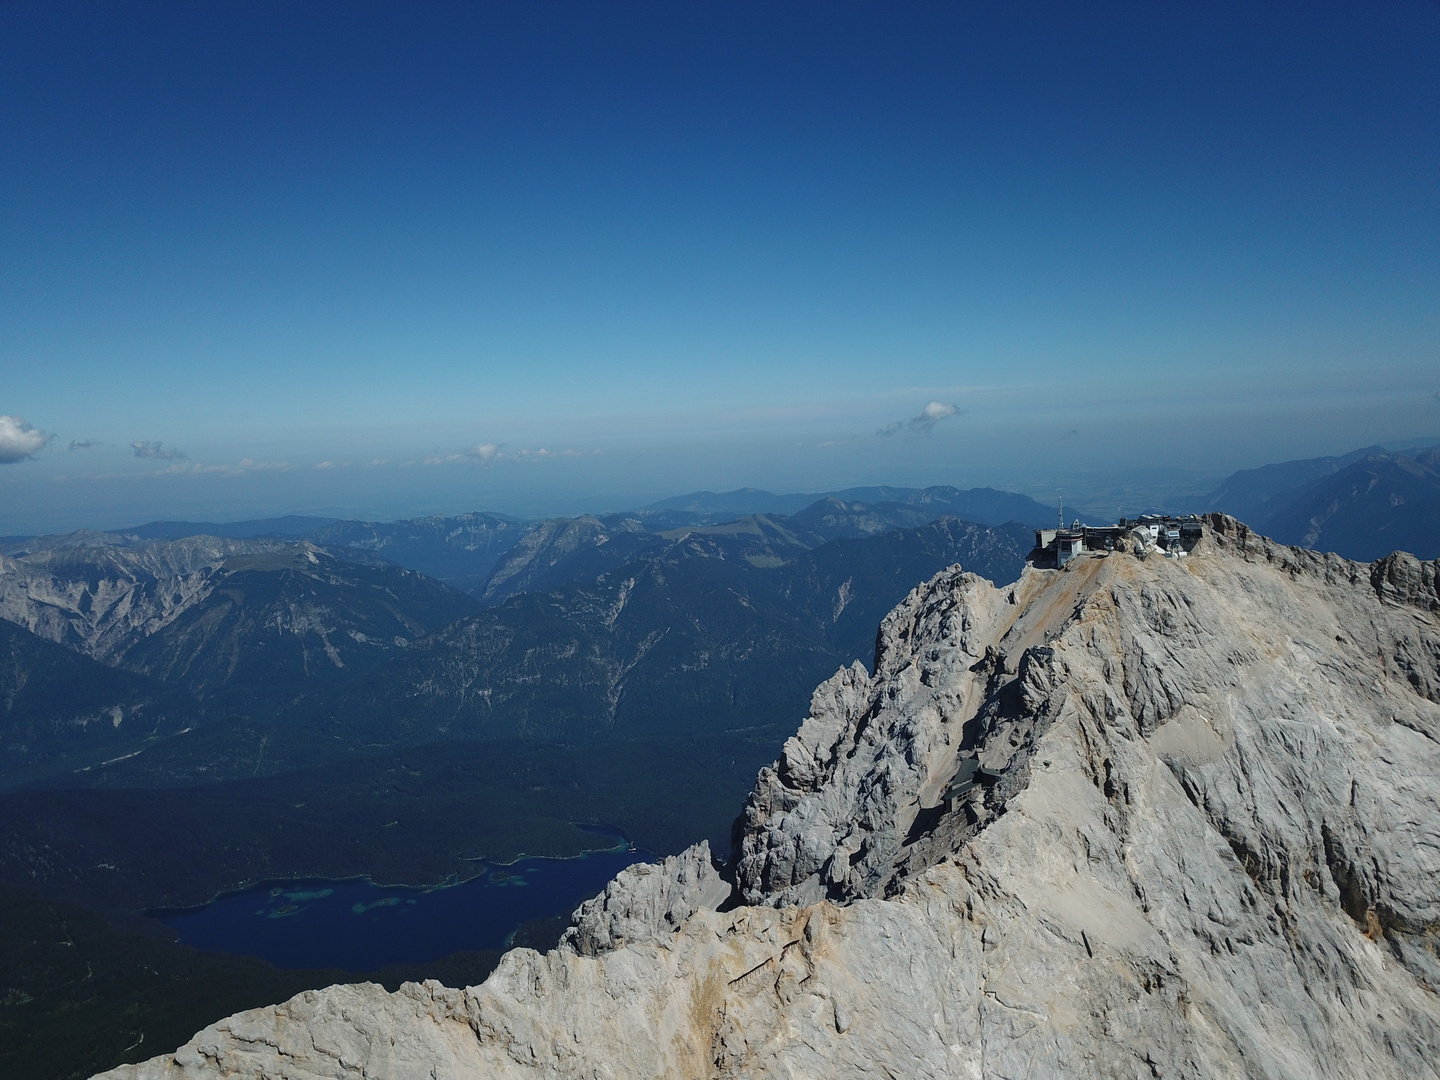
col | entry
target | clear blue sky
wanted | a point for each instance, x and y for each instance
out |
(261, 258)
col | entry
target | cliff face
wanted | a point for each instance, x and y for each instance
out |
(98, 598)
(1141, 817)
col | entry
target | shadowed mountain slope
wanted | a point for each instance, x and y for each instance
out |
(98, 593)
(277, 626)
(561, 550)
(1253, 495)
(458, 549)
(658, 647)
(694, 644)
(849, 585)
(1376, 505)
(61, 710)
(580, 549)
(1362, 505)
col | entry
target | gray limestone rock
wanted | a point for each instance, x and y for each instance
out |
(1134, 818)
(647, 903)
(101, 595)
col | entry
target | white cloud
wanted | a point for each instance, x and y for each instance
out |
(924, 422)
(18, 440)
(83, 444)
(156, 450)
(490, 453)
(245, 466)
(486, 452)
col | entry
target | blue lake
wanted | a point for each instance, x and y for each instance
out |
(360, 926)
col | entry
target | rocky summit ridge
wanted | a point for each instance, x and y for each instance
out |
(1140, 817)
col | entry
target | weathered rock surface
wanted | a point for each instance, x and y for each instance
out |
(566, 549)
(101, 594)
(1140, 817)
(648, 903)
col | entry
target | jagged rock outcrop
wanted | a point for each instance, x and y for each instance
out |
(648, 903)
(1138, 817)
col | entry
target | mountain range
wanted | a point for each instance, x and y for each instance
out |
(588, 619)
(1141, 816)
(1362, 505)
(425, 727)
(185, 712)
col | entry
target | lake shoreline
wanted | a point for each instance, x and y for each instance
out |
(354, 924)
(450, 881)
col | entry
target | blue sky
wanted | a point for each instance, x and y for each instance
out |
(373, 259)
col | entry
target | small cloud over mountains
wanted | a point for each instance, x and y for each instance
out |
(244, 467)
(542, 454)
(924, 422)
(485, 452)
(490, 453)
(157, 450)
(18, 440)
(83, 444)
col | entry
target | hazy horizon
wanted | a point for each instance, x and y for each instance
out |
(1108, 494)
(384, 261)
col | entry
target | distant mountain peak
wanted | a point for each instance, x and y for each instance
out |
(1362, 505)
